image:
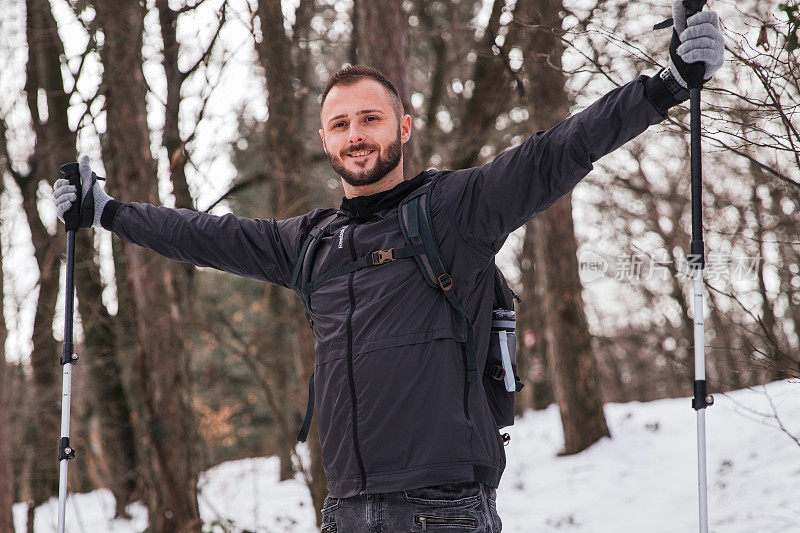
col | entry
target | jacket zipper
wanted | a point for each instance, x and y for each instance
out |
(350, 364)
(426, 521)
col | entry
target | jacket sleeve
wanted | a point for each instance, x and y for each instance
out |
(263, 250)
(489, 202)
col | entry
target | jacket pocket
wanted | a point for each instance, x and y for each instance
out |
(410, 406)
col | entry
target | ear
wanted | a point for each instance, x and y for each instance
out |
(322, 136)
(405, 128)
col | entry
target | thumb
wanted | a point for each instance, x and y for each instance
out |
(679, 16)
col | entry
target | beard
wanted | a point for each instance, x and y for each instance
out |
(385, 164)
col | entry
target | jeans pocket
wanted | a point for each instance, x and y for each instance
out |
(330, 505)
(491, 494)
(450, 495)
(328, 520)
(433, 523)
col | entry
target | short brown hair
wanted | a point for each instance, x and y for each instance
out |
(352, 74)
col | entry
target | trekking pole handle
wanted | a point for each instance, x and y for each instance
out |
(72, 218)
(693, 7)
(695, 72)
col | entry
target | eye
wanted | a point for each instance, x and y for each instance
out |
(371, 118)
(337, 125)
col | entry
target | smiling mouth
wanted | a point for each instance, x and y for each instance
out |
(360, 154)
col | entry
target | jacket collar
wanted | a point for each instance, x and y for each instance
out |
(362, 207)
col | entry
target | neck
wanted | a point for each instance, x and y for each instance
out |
(389, 181)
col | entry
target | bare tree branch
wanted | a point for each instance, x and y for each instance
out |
(207, 52)
(187, 8)
(255, 179)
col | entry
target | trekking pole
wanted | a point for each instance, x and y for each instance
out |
(701, 400)
(68, 357)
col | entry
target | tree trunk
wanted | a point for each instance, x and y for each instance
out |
(56, 145)
(44, 395)
(286, 64)
(532, 341)
(569, 352)
(388, 50)
(7, 393)
(109, 397)
(169, 422)
(491, 79)
(438, 79)
(176, 148)
(282, 373)
(7, 477)
(43, 72)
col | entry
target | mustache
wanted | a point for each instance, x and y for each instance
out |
(358, 148)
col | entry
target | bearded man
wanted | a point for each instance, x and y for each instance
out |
(409, 440)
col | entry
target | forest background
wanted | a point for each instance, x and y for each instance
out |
(213, 105)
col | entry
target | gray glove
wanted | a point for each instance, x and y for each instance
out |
(93, 198)
(697, 39)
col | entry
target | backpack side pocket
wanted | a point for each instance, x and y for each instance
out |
(500, 379)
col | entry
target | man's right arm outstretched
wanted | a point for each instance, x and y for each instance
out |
(263, 250)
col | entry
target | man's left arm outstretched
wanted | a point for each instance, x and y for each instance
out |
(489, 202)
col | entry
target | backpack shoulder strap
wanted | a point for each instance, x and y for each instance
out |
(414, 215)
(321, 225)
(305, 260)
(415, 222)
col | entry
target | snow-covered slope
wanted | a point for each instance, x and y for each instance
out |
(643, 479)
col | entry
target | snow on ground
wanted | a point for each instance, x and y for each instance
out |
(643, 479)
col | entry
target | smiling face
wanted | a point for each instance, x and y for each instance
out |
(363, 134)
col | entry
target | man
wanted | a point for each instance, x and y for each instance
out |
(408, 438)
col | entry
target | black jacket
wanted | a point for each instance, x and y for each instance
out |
(394, 410)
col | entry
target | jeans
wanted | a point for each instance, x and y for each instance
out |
(457, 507)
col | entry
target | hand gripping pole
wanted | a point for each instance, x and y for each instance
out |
(702, 399)
(68, 357)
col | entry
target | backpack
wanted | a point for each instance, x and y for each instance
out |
(500, 378)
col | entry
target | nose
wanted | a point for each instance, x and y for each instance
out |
(355, 136)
